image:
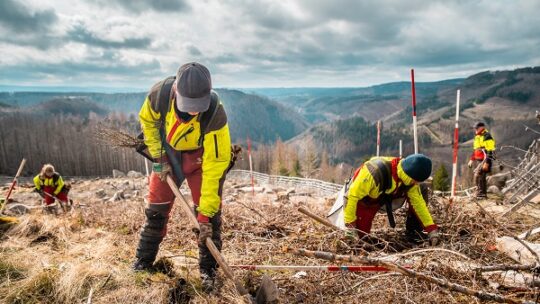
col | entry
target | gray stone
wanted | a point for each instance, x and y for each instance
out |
(118, 173)
(17, 209)
(100, 193)
(134, 174)
(498, 180)
(494, 189)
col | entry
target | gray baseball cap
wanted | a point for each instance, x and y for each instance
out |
(193, 87)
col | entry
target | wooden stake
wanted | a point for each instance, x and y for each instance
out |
(13, 183)
(209, 243)
(318, 218)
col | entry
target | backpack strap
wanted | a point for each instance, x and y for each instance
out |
(381, 171)
(207, 117)
(164, 99)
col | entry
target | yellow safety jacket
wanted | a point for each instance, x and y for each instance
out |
(54, 181)
(483, 142)
(365, 187)
(185, 136)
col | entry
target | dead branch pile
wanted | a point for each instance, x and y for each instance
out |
(257, 229)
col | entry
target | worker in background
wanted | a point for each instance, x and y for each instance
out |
(382, 180)
(482, 158)
(50, 185)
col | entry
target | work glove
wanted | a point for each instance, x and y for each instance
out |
(470, 163)
(485, 167)
(434, 237)
(162, 169)
(351, 234)
(205, 231)
(40, 192)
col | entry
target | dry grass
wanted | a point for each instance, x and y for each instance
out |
(48, 259)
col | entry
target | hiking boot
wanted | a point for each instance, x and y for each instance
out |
(142, 265)
(415, 237)
(208, 283)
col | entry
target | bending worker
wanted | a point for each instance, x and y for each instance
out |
(50, 185)
(186, 133)
(382, 180)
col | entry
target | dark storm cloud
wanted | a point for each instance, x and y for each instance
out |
(81, 34)
(88, 70)
(20, 18)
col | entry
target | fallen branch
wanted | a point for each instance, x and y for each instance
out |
(487, 296)
(531, 267)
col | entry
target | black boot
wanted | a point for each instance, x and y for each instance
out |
(152, 233)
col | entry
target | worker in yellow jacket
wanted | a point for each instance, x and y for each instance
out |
(188, 128)
(382, 180)
(482, 156)
(50, 185)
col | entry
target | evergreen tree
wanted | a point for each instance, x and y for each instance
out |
(440, 179)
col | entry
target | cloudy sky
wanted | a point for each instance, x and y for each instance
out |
(268, 43)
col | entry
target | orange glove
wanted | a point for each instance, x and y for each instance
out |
(485, 167)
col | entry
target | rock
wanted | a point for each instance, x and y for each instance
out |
(100, 193)
(134, 174)
(498, 180)
(118, 173)
(117, 196)
(17, 209)
(494, 190)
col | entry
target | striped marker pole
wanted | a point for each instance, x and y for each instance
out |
(400, 148)
(456, 147)
(333, 268)
(251, 167)
(378, 137)
(415, 133)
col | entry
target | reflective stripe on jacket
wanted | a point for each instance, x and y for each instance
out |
(54, 181)
(184, 136)
(483, 142)
(364, 186)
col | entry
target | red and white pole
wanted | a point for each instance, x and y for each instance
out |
(415, 133)
(378, 137)
(332, 268)
(456, 147)
(251, 167)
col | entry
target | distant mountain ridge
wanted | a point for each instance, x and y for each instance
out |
(262, 119)
(505, 100)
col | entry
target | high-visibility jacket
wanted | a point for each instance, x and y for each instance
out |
(484, 145)
(366, 187)
(55, 181)
(183, 133)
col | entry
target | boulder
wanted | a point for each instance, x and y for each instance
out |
(100, 193)
(498, 179)
(494, 189)
(118, 173)
(134, 174)
(17, 209)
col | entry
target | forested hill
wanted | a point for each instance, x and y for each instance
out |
(60, 128)
(505, 100)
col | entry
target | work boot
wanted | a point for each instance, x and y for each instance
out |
(415, 237)
(207, 283)
(142, 265)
